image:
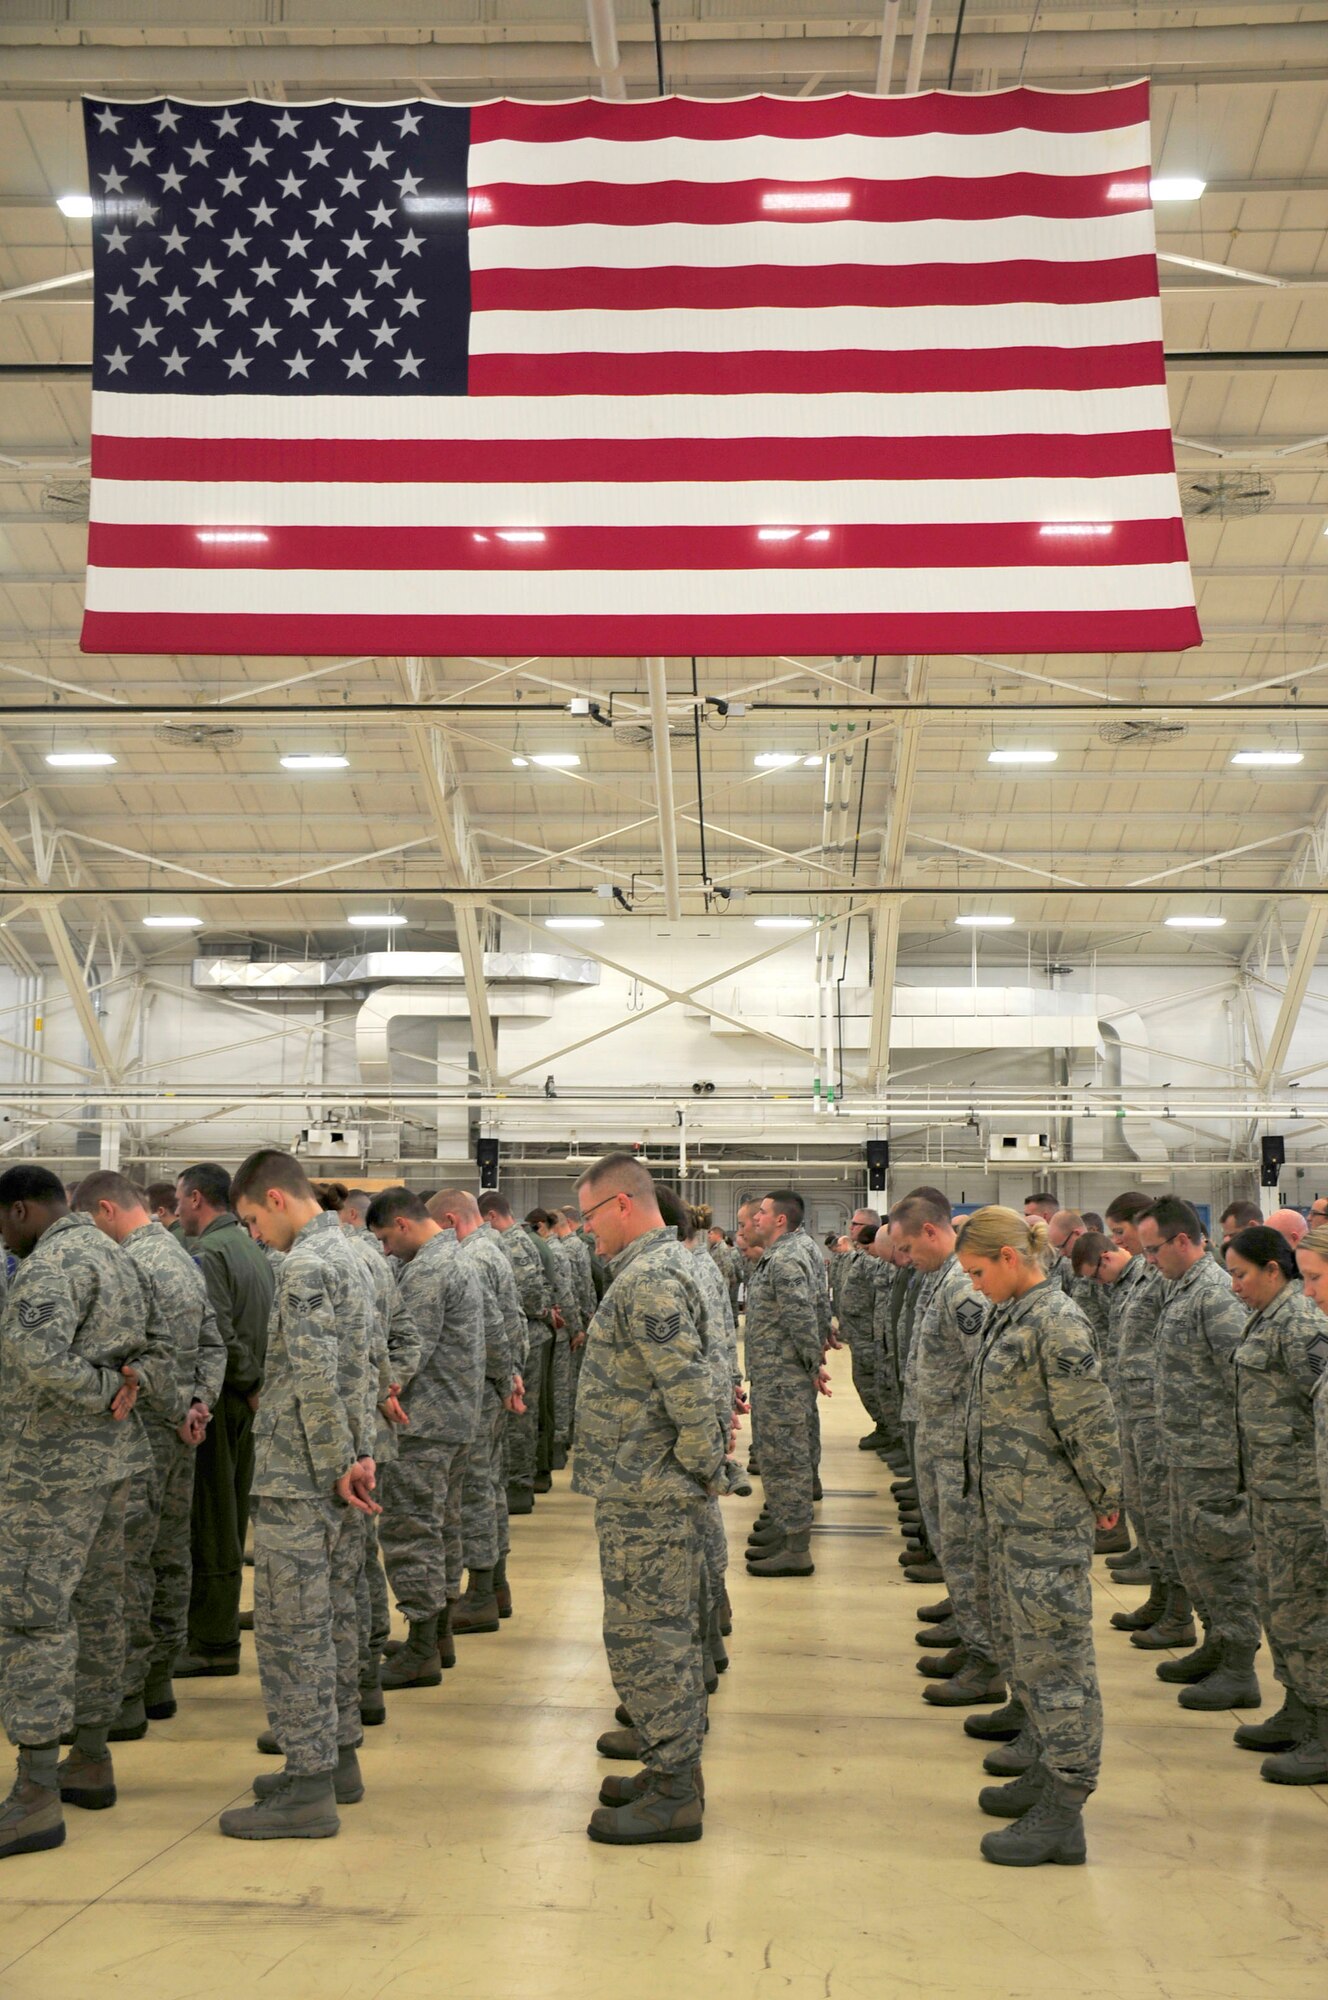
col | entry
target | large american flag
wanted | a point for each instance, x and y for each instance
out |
(767, 376)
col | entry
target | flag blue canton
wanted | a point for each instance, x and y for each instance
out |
(264, 249)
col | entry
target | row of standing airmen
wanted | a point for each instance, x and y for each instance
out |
(1028, 1375)
(147, 1394)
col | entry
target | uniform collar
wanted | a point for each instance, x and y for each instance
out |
(633, 1250)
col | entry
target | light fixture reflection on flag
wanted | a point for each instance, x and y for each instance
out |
(522, 535)
(807, 201)
(1075, 530)
(777, 534)
(232, 535)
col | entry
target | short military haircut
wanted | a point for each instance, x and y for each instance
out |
(1242, 1214)
(107, 1185)
(1128, 1207)
(398, 1204)
(1260, 1246)
(359, 1199)
(452, 1201)
(932, 1195)
(32, 1183)
(1042, 1199)
(207, 1179)
(788, 1204)
(1092, 1246)
(869, 1215)
(570, 1214)
(493, 1203)
(915, 1211)
(1172, 1217)
(628, 1174)
(1093, 1221)
(161, 1194)
(268, 1168)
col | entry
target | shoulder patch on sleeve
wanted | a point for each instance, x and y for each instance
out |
(34, 1313)
(969, 1316)
(662, 1327)
(1076, 1365)
(308, 1299)
(1317, 1350)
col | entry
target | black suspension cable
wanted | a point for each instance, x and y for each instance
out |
(659, 46)
(954, 46)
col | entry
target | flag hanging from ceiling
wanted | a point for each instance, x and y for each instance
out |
(848, 374)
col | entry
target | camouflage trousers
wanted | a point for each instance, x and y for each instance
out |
(1148, 1494)
(373, 1614)
(484, 1534)
(1210, 1531)
(650, 1562)
(560, 1366)
(1291, 1567)
(158, 1562)
(862, 1354)
(61, 1606)
(419, 1529)
(957, 1530)
(307, 1558)
(784, 1403)
(1042, 1629)
(523, 1433)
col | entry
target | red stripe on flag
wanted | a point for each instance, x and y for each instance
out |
(941, 545)
(627, 204)
(815, 118)
(1170, 631)
(660, 286)
(553, 461)
(980, 371)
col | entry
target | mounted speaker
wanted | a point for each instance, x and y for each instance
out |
(878, 1164)
(486, 1158)
(1272, 1159)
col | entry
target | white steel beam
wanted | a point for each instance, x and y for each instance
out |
(662, 757)
(889, 909)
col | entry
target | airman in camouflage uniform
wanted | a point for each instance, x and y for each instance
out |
(522, 1439)
(788, 1324)
(950, 1319)
(484, 1531)
(420, 1531)
(175, 1409)
(1043, 1453)
(571, 1305)
(729, 1265)
(856, 1312)
(722, 1348)
(72, 1339)
(1279, 1365)
(649, 1446)
(394, 1356)
(1201, 1326)
(315, 1438)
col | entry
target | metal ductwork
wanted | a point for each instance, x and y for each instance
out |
(300, 975)
(373, 1023)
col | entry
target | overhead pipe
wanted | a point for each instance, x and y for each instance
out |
(662, 758)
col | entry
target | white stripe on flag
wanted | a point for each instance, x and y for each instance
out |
(849, 156)
(632, 504)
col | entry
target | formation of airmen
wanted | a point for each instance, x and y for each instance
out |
(1043, 1384)
(384, 1380)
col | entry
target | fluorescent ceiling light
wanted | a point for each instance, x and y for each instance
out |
(76, 206)
(574, 923)
(555, 760)
(1022, 756)
(1176, 188)
(776, 760)
(1268, 757)
(79, 760)
(783, 923)
(984, 923)
(520, 763)
(314, 760)
(378, 920)
(166, 923)
(813, 763)
(803, 200)
(1076, 531)
(1187, 923)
